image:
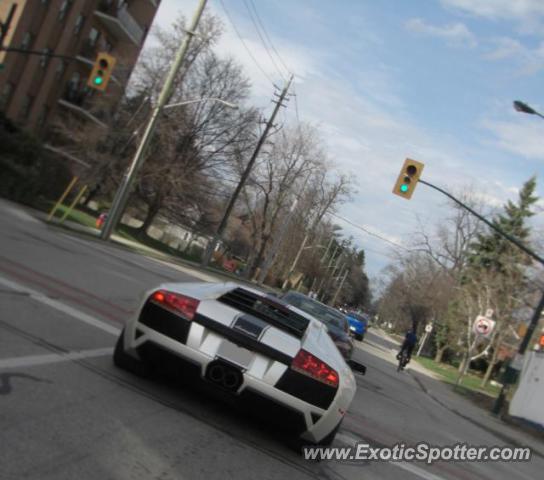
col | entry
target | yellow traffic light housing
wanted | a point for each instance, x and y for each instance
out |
(101, 72)
(408, 178)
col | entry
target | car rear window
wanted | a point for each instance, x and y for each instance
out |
(317, 310)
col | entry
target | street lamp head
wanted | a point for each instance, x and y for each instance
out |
(523, 107)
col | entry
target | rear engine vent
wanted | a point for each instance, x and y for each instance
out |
(272, 311)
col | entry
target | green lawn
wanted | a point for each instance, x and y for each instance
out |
(449, 374)
(76, 216)
(130, 233)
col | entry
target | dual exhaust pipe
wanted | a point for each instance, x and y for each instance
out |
(224, 375)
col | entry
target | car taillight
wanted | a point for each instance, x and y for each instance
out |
(312, 366)
(179, 303)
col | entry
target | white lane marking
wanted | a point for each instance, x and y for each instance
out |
(61, 307)
(409, 467)
(33, 360)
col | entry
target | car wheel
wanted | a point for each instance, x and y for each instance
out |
(359, 337)
(125, 361)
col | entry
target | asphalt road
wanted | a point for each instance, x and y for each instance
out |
(66, 412)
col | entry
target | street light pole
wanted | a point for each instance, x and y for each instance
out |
(523, 107)
(499, 402)
(121, 196)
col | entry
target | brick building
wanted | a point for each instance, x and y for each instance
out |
(36, 88)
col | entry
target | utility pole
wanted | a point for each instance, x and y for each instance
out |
(339, 287)
(123, 192)
(279, 237)
(223, 224)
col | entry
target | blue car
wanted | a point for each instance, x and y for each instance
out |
(357, 325)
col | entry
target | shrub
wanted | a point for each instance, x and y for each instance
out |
(28, 173)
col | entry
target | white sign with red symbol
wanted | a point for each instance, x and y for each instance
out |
(483, 326)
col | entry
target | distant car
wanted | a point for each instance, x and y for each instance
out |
(271, 357)
(357, 325)
(336, 322)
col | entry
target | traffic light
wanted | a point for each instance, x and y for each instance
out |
(101, 72)
(408, 177)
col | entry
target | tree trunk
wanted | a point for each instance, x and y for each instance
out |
(462, 364)
(187, 246)
(91, 195)
(260, 255)
(492, 364)
(152, 211)
(440, 353)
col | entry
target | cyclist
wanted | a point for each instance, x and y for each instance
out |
(408, 345)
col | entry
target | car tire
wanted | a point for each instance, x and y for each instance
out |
(359, 337)
(327, 441)
(324, 442)
(127, 362)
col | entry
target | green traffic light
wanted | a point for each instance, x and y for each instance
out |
(98, 80)
(404, 188)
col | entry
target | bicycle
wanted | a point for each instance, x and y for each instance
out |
(403, 360)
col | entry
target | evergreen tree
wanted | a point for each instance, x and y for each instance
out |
(493, 252)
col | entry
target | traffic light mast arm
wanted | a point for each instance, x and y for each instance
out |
(508, 237)
(36, 52)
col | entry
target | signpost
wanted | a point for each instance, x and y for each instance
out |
(428, 330)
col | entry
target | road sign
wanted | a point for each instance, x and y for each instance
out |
(429, 327)
(483, 326)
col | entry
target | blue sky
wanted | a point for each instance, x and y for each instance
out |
(432, 80)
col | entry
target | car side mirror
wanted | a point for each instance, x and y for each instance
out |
(357, 367)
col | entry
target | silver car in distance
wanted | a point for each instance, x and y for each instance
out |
(246, 344)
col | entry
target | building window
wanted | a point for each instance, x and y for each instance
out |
(44, 58)
(63, 10)
(79, 24)
(6, 95)
(27, 41)
(93, 36)
(26, 107)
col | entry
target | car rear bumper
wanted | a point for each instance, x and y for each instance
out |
(174, 357)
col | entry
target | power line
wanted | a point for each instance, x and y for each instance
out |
(369, 232)
(263, 41)
(244, 43)
(287, 69)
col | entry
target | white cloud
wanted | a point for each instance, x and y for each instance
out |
(530, 60)
(521, 138)
(528, 14)
(506, 47)
(454, 33)
(499, 9)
